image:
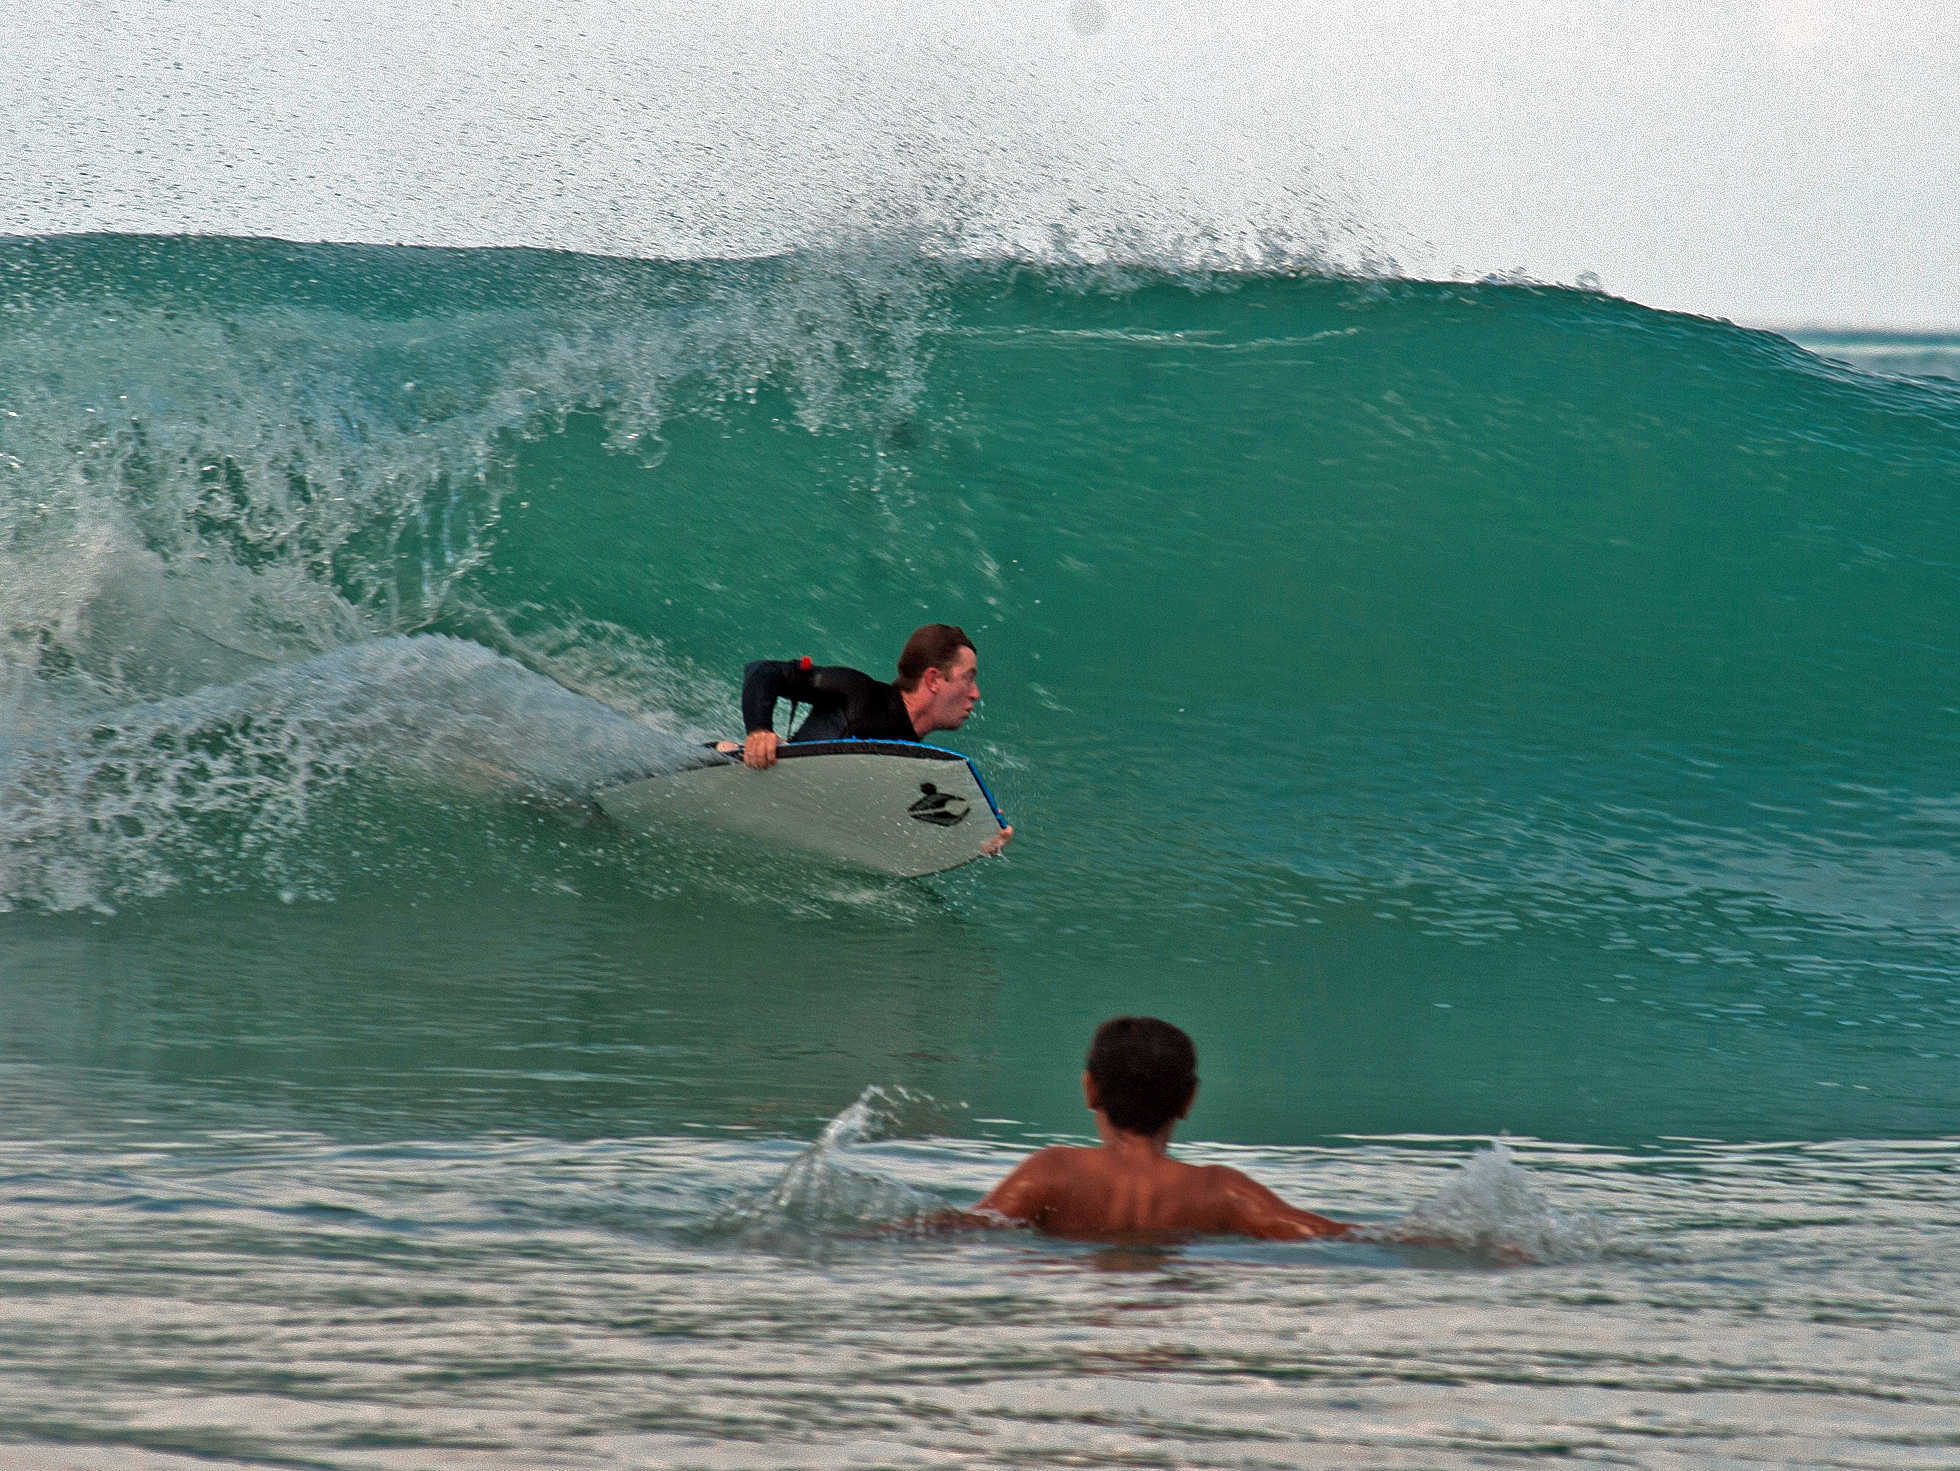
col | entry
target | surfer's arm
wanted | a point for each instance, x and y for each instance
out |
(763, 683)
(843, 703)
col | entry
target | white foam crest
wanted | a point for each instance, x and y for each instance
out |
(218, 788)
(1162, 135)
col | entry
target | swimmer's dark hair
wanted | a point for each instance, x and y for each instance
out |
(1145, 1070)
(934, 646)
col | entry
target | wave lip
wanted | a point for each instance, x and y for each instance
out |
(758, 136)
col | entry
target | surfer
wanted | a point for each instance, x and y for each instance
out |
(936, 689)
(1140, 1079)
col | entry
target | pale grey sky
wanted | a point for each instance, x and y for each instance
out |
(1774, 161)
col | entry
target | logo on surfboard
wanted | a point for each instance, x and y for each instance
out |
(941, 809)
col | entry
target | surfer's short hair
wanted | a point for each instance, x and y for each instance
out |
(1145, 1071)
(934, 646)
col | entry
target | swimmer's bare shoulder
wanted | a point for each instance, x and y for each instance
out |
(1032, 1189)
(1253, 1210)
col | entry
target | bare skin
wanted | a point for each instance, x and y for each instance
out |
(1130, 1186)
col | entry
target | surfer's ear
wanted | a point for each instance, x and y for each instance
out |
(1189, 1099)
(1091, 1094)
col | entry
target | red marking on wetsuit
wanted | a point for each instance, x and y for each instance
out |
(804, 662)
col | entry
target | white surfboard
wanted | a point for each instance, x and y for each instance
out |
(891, 806)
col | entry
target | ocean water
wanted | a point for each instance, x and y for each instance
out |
(1514, 730)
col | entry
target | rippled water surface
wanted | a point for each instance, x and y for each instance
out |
(289, 1299)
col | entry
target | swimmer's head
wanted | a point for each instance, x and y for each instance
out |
(934, 646)
(939, 676)
(1145, 1072)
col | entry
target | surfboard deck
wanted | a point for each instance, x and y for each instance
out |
(894, 807)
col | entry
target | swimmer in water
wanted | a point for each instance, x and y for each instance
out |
(1140, 1079)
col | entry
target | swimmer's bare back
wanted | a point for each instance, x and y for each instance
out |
(1109, 1191)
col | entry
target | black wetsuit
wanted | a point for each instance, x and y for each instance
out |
(845, 704)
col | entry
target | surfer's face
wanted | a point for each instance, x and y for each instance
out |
(953, 691)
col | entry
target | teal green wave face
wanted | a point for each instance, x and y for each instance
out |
(1466, 707)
